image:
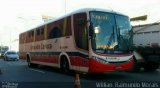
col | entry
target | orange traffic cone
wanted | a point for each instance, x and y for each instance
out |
(77, 82)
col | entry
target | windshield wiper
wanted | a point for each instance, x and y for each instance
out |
(124, 41)
(111, 38)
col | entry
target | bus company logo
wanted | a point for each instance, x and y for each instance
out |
(41, 46)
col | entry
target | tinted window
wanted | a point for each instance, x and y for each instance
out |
(67, 26)
(55, 33)
(38, 32)
(80, 30)
(42, 31)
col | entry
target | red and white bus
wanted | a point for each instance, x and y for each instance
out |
(88, 40)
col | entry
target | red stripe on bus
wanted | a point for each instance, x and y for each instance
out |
(48, 59)
(97, 67)
(79, 61)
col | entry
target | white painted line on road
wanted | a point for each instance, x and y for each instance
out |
(37, 70)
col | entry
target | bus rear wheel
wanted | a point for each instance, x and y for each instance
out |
(64, 65)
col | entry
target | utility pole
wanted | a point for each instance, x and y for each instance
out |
(65, 6)
(10, 40)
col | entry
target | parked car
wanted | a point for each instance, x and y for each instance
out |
(11, 55)
(2, 54)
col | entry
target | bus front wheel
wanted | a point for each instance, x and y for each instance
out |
(64, 65)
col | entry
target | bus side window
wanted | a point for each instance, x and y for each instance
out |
(37, 32)
(55, 33)
(80, 30)
(30, 36)
(42, 31)
(67, 30)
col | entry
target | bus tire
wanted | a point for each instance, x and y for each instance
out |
(136, 66)
(151, 66)
(64, 65)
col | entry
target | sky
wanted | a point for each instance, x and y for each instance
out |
(20, 15)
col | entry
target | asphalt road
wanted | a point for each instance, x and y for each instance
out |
(16, 74)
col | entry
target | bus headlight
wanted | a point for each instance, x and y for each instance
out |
(100, 60)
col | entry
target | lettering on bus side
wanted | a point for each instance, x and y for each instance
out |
(41, 46)
(63, 47)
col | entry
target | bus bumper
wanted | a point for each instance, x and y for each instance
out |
(97, 67)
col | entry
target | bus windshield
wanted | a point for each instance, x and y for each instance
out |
(111, 32)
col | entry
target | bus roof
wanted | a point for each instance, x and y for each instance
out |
(96, 9)
(75, 12)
